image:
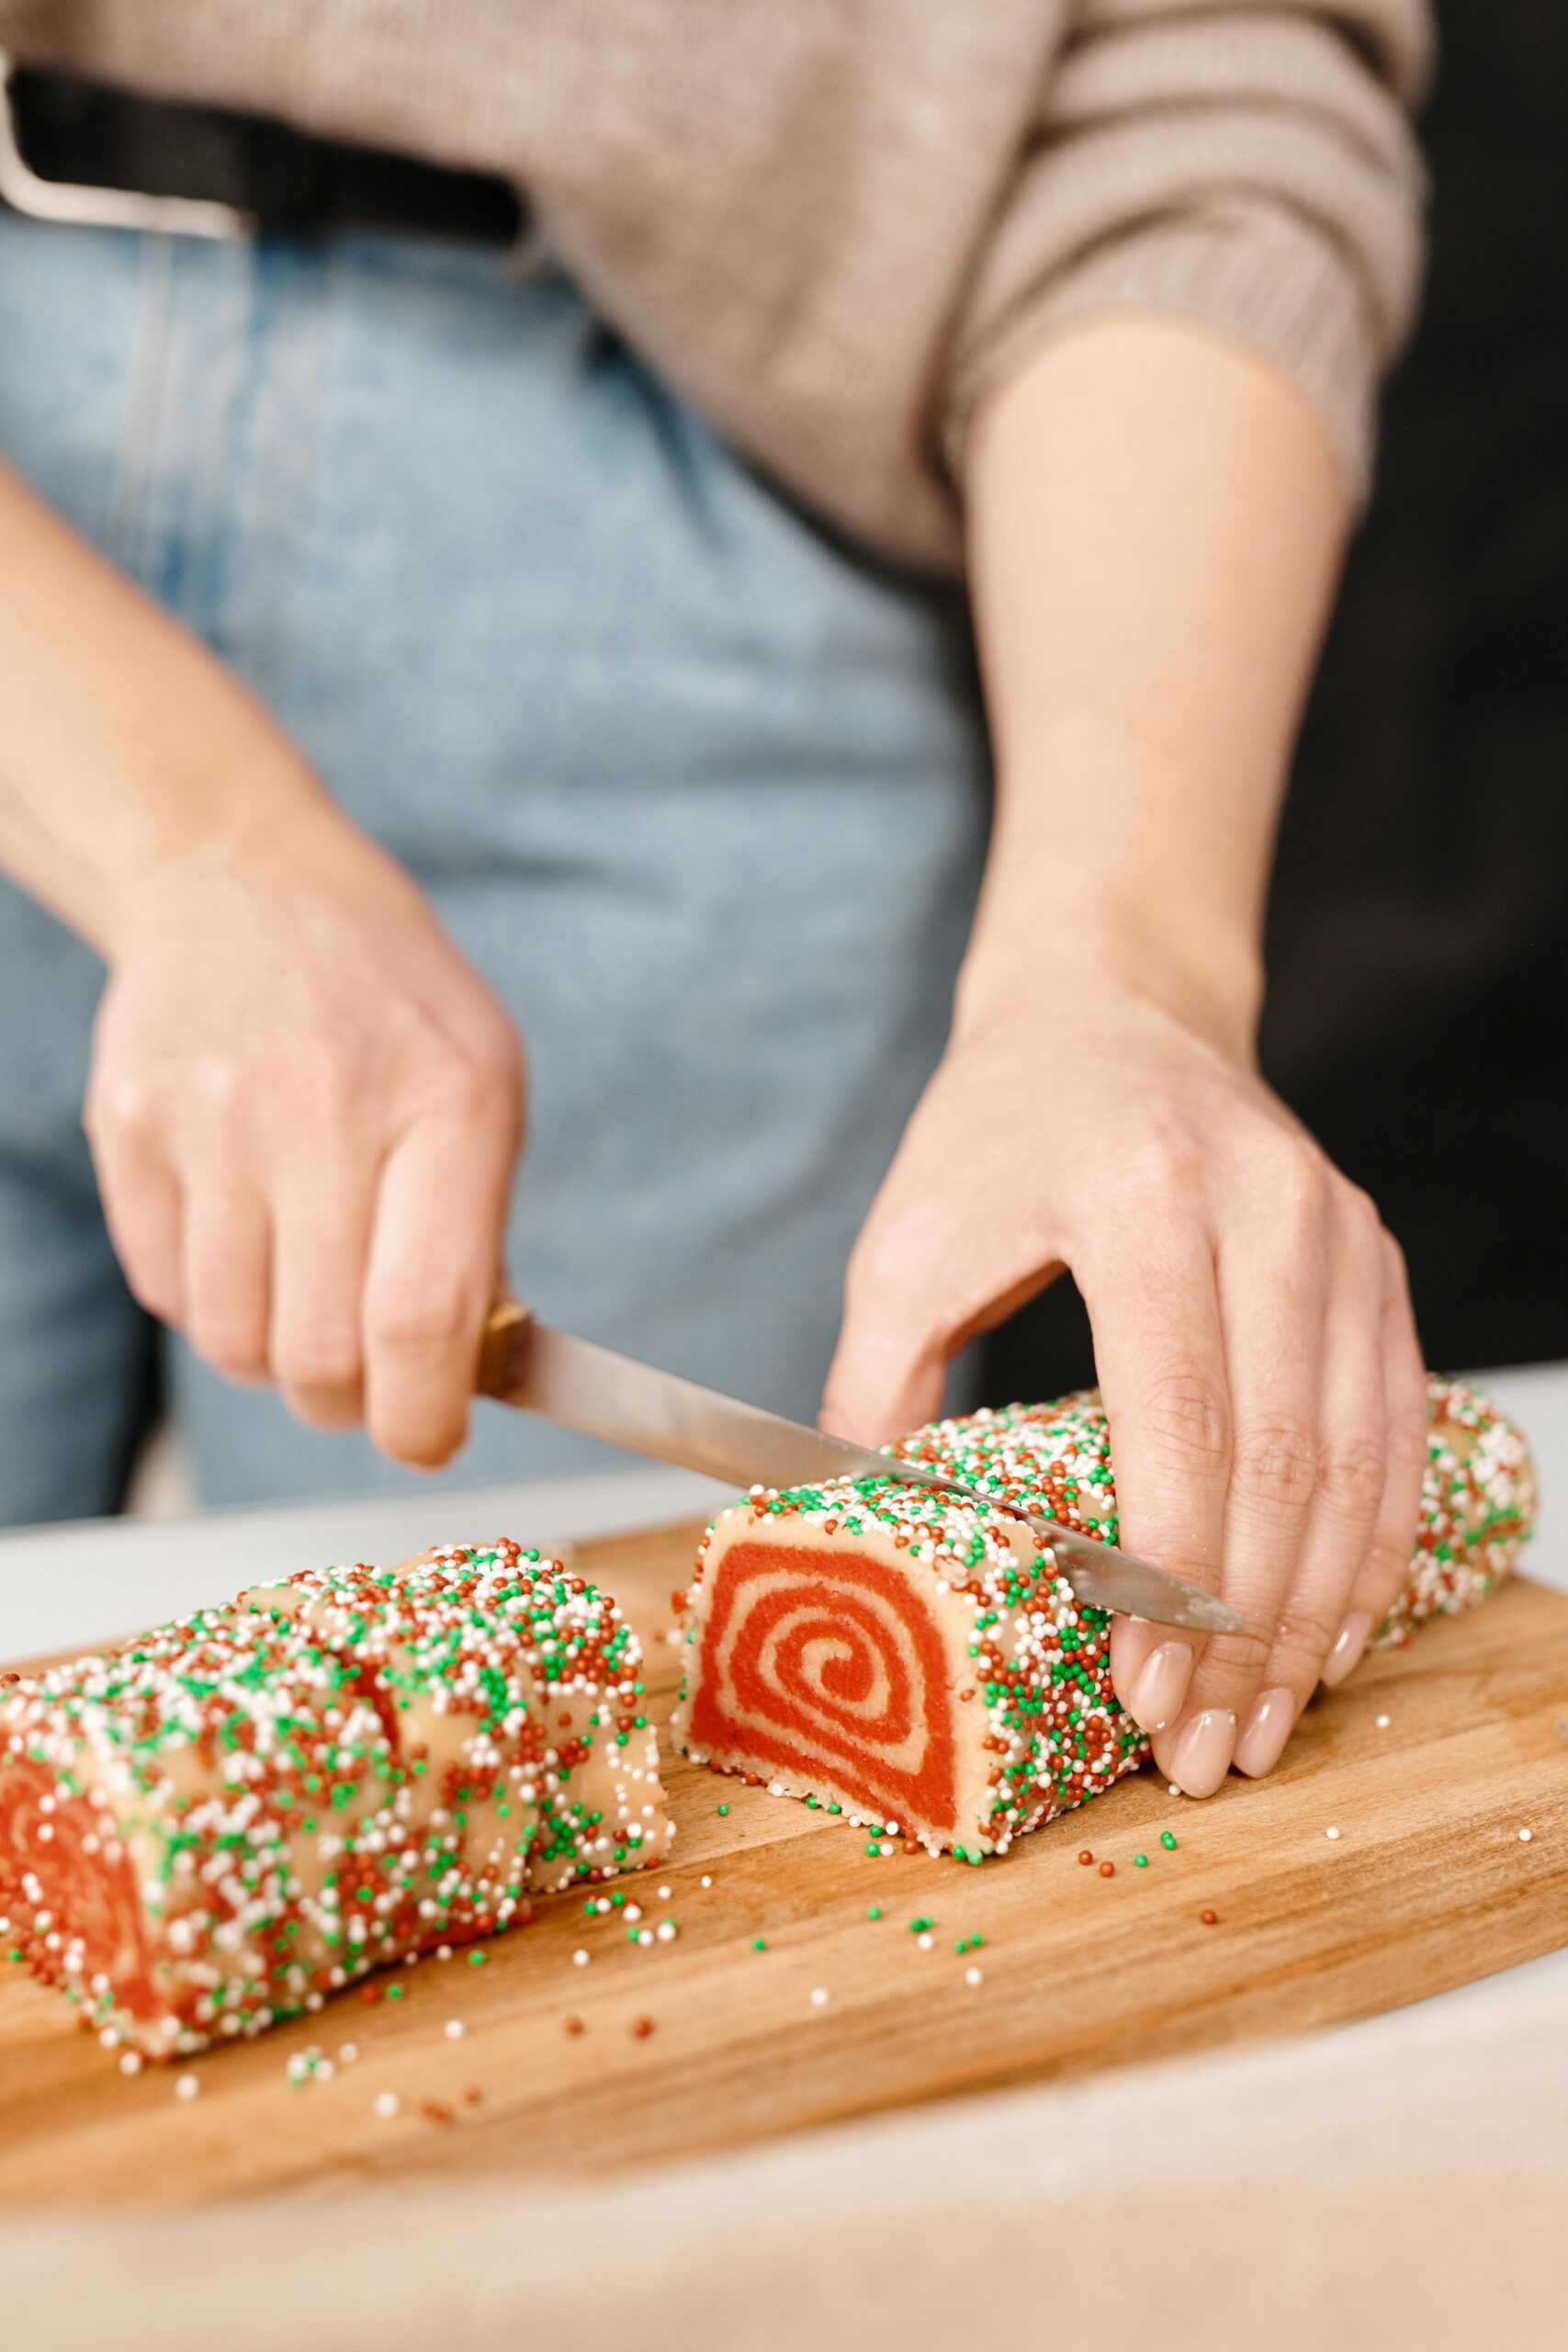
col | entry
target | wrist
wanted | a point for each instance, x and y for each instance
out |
(1061, 954)
(272, 828)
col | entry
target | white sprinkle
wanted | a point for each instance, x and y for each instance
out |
(667, 1931)
(130, 2064)
(348, 2053)
(1525, 1836)
(1383, 1722)
(819, 1998)
(443, 1952)
(973, 1976)
(891, 1827)
(634, 1913)
(388, 2104)
(324, 2070)
(603, 1904)
(885, 1848)
(925, 1942)
(644, 1935)
(579, 1959)
(188, 2086)
(1171, 1790)
(664, 1894)
(707, 1881)
(108, 2039)
(455, 2029)
(1331, 1833)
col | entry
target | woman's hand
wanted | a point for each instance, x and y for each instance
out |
(1156, 519)
(1252, 1331)
(305, 1110)
(304, 1107)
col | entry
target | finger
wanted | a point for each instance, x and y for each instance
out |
(1352, 1465)
(435, 1258)
(225, 1237)
(1160, 1359)
(1272, 1291)
(904, 1322)
(323, 1212)
(143, 1206)
(1392, 1549)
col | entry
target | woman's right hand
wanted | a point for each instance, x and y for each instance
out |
(305, 1110)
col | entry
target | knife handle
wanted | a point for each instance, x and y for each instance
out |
(504, 1325)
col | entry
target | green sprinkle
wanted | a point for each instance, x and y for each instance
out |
(918, 1927)
(873, 1911)
(1167, 1839)
(478, 1958)
(394, 1992)
(1141, 1861)
(724, 1808)
(759, 1943)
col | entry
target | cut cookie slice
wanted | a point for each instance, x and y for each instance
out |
(911, 1658)
(212, 1828)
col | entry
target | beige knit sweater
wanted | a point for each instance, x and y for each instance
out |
(832, 223)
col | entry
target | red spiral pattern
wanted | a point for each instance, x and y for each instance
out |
(82, 1893)
(832, 1672)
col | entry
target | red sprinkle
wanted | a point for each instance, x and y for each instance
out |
(474, 2096)
(1086, 1856)
(1108, 1870)
(1210, 1918)
(642, 2028)
(435, 2111)
(573, 2025)
(370, 1994)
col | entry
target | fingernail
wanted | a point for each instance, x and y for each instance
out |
(1202, 1755)
(1264, 1734)
(1161, 1685)
(1346, 1651)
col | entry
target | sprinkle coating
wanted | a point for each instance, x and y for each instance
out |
(209, 1828)
(911, 1657)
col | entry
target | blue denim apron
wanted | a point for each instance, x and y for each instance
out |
(700, 792)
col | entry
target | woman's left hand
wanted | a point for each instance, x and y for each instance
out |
(1252, 1327)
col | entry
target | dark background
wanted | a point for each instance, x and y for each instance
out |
(1417, 1013)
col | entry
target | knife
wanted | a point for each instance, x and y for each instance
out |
(582, 1386)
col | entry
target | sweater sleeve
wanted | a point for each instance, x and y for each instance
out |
(1248, 163)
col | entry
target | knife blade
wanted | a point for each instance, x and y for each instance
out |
(583, 1386)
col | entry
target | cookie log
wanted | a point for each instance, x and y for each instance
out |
(911, 1659)
(212, 1828)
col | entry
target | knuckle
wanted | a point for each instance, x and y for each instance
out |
(1387, 1564)
(1185, 1412)
(1276, 1463)
(1230, 1671)
(1164, 1162)
(1296, 1175)
(231, 1346)
(429, 1322)
(319, 1361)
(1307, 1629)
(1352, 1475)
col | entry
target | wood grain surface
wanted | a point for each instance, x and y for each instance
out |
(1428, 1885)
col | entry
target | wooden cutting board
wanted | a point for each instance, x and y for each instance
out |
(1430, 1766)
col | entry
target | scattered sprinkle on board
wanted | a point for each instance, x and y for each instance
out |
(1473, 1703)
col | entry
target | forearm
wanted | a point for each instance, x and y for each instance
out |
(1157, 525)
(124, 745)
